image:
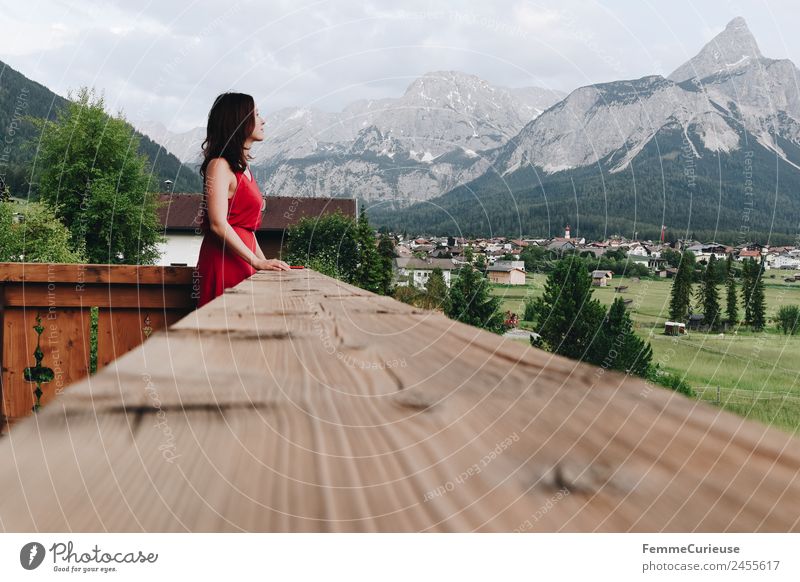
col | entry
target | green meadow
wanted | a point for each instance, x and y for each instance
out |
(756, 375)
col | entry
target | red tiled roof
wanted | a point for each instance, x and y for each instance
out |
(748, 253)
(182, 211)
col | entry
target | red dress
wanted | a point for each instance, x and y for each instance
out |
(219, 267)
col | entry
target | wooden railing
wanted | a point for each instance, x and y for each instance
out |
(132, 303)
(296, 402)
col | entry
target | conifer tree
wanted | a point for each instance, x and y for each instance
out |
(567, 316)
(436, 291)
(731, 307)
(387, 256)
(708, 294)
(470, 301)
(681, 295)
(623, 349)
(748, 272)
(758, 308)
(368, 273)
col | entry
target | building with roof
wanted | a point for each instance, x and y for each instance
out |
(507, 272)
(416, 271)
(601, 278)
(181, 217)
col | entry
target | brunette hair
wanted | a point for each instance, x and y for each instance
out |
(230, 122)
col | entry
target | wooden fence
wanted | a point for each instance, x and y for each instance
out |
(132, 302)
(296, 402)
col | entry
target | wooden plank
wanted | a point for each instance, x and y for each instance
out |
(257, 413)
(116, 295)
(64, 342)
(121, 330)
(92, 273)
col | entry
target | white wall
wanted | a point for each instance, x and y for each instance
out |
(181, 248)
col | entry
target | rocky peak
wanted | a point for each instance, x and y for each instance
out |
(732, 48)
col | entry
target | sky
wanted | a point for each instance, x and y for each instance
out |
(165, 61)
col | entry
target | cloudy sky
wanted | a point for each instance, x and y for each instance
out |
(165, 61)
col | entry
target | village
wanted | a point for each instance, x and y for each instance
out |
(505, 262)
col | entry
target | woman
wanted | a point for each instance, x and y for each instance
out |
(233, 204)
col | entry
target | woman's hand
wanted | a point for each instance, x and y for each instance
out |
(270, 265)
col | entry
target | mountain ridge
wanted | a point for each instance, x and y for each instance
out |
(599, 133)
(43, 103)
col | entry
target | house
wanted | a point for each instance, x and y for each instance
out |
(747, 254)
(601, 278)
(507, 274)
(182, 214)
(652, 261)
(703, 252)
(417, 271)
(561, 245)
(786, 260)
(515, 264)
(638, 250)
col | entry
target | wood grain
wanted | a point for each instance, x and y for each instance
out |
(63, 295)
(295, 402)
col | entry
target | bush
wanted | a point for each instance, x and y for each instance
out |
(789, 319)
(669, 380)
(406, 294)
(328, 244)
(529, 313)
(38, 238)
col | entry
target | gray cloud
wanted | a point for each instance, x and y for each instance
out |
(168, 60)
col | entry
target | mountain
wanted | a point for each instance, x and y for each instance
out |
(713, 148)
(413, 147)
(20, 96)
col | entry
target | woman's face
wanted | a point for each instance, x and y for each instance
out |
(258, 130)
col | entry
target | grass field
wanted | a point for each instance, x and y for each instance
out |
(757, 374)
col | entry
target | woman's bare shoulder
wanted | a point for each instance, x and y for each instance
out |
(219, 166)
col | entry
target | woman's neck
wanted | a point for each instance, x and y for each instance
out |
(247, 143)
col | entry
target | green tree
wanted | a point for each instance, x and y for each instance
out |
(98, 184)
(708, 295)
(369, 274)
(731, 308)
(788, 319)
(748, 280)
(326, 243)
(470, 301)
(758, 308)
(387, 256)
(469, 254)
(672, 257)
(436, 295)
(622, 348)
(681, 295)
(535, 258)
(38, 237)
(529, 309)
(566, 314)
